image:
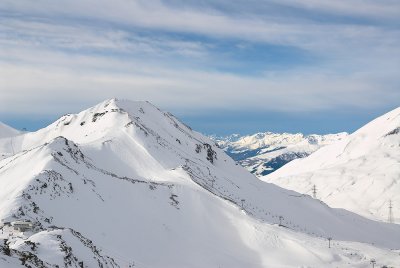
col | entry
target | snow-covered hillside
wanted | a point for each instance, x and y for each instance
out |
(7, 131)
(124, 183)
(7, 134)
(361, 173)
(263, 153)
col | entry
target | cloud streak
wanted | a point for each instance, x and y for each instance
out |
(180, 54)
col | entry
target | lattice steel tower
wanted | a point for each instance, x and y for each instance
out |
(390, 217)
(314, 191)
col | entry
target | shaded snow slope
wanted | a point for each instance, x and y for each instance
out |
(124, 183)
(263, 153)
(361, 173)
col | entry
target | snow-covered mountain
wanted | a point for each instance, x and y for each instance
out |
(263, 153)
(7, 131)
(124, 184)
(7, 134)
(360, 173)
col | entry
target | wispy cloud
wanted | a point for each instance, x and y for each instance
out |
(387, 9)
(190, 90)
(192, 55)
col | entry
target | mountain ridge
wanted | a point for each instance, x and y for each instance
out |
(264, 152)
(136, 181)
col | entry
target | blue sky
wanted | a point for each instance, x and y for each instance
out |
(222, 66)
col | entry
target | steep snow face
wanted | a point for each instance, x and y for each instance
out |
(263, 153)
(129, 184)
(361, 173)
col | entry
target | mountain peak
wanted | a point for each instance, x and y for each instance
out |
(108, 119)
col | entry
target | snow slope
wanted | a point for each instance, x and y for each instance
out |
(263, 153)
(361, 173)
(7, 134)
(7, 131)
(124, 183)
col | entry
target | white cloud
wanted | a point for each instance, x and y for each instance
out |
(54, 35)
(74, 52)
(189, 90)
(157, 15)
(387, 9)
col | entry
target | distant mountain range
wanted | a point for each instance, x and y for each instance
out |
(361, 172)
(263, 153)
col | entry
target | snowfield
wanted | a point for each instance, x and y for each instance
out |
(360, 173)
(7, 134)
(7, 131)
(124, 184)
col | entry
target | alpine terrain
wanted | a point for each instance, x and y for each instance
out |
(263, 153)
(360, 173)
(7, 148)
(123, 184)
